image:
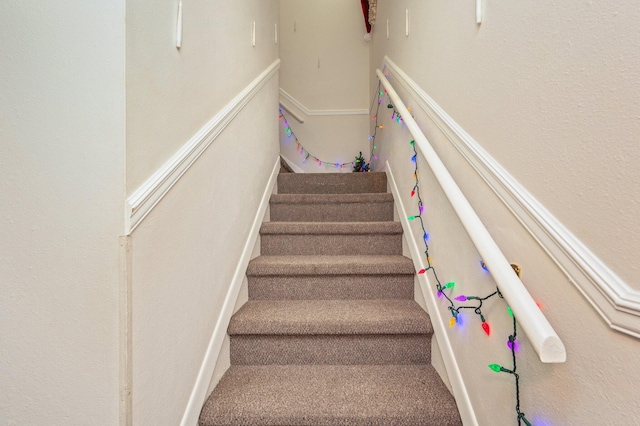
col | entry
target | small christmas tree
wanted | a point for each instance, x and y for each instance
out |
(360, 165)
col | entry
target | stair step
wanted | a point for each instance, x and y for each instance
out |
(376, 207)
(319, 317)
(330, 332)
(332, 183)
(330, 395)
(330, 277)
(329, 349)
(331, 238)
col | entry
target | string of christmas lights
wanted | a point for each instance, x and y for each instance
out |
(378, 101)
(473, 302)
(372, 145)
(303, 151)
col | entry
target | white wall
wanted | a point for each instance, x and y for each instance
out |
(549, 90)
(62, 191)
(185, 252)
(560, 79)
(172, 93)
(325, 79)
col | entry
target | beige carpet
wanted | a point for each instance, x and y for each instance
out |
(331, 334)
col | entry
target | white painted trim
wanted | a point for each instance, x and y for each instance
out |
(293, 165)
(292, 112)
(199, 392)
(125, 330)
(179, 26)
(306, 111)
(612, 298)
(144, 199)
(440, 330)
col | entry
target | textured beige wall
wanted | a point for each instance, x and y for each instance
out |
(550, 91)
(325, 67)
(172, 93)
(61, 196)
(184, 259)
(186, 250)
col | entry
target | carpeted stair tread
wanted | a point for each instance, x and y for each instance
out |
(331, 333)
(330, 265)
(330, 238)
(331, 349)
(331, 183)
(316, 317)
(373, 207)
(381, 197)
(330, 277)
(411, 395)
(330, 228)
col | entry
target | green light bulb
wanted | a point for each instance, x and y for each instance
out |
(411, 217)
(495, 367)
(450, 285)
(509, 310)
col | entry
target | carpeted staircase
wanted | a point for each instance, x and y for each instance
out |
(331, 334)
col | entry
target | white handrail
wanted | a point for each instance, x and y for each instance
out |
(542, 336)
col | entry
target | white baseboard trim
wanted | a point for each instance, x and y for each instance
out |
(284, 96)
(611, 297)
(293, 165)
(440, 329)
(144, 199)
(199, 392)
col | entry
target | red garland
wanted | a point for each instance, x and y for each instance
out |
(365, 12)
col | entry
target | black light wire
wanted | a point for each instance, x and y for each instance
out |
(452, 305)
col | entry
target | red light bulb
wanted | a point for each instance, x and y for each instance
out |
(486, 328)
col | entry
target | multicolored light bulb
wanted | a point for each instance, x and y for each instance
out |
(496, 367)
(486, 328)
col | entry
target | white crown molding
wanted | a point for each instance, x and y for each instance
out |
(284, 96)
(205, 374)
(454, 374)
(148, 195)
(612, 298)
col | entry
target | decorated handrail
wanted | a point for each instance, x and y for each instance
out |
(543, 338)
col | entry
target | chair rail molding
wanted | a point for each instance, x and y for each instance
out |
(290, 100)
(616, 302)
(140, 203)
